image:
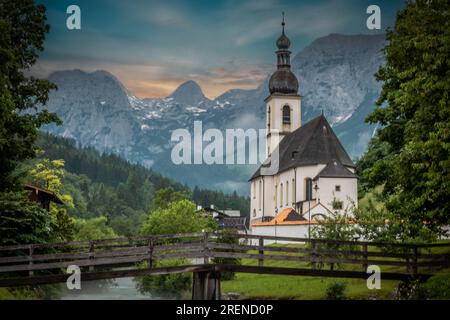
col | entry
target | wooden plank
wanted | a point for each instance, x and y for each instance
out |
(217, 254)
(99, 275)
(312, 272)
(80, 263)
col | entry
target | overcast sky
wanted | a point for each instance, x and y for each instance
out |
(153, 46)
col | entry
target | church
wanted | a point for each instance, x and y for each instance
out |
(314, 176)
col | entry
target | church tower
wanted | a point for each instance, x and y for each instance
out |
(283, 106)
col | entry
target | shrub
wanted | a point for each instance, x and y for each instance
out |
(336, 291)
(438, 286)
(168, 286)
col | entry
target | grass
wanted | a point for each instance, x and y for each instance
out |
(256, 286)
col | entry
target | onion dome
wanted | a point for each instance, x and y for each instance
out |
(283, 81)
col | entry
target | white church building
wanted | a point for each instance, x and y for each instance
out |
(315, 176)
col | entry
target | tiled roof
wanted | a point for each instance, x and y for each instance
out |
(313, 143)
(334, 169)
(287, 216)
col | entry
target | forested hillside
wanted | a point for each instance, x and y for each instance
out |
(107, 185)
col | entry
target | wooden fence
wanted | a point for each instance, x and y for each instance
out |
(99, 259)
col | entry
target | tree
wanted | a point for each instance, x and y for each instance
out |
(48, 174)
(23, 222)
(416, 119)
(166, 196)
(179, 217)
(93, 229)
(22, 32)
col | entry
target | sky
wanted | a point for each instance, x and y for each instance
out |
(154, 46)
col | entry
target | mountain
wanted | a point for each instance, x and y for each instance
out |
(108, 185)
(335, 74)
(189, 93)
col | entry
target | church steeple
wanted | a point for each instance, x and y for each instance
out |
(284, 102)
(283, 80)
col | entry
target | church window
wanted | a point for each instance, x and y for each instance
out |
(281, 195)
(276, 196)
(254, 212)
(286, 114)
(254, 190)
(308, 189)
(269, 119)
(338, 188)
(287, 193)
(260, 195)
(293, 191)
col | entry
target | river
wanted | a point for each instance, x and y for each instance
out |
(115, 289)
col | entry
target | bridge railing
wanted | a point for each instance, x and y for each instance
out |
(150, 252)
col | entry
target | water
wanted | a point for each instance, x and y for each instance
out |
(115, 289)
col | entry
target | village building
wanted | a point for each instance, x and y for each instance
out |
(315, 176)
(42, 196)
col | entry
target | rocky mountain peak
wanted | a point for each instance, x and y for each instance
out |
(189, 93)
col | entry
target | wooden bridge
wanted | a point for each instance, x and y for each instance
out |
(206, 254)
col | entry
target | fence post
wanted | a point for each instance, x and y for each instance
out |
(31, 251)
(313, 254)
(261, 252)
(150, 249)
(205, 248)
(91, 251)
(414, 267)
(365, 257)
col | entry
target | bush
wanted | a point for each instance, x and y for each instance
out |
(410, 290)
(438, 286)
(169, 286)
(336, 291)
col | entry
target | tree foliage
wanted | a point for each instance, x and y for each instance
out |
(93, 229)
(22, 32)
(23, 222)
(179, 217)
(415, 171)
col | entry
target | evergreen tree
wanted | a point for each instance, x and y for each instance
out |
(22, 32)
(416, 119)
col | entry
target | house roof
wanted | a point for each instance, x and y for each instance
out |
(287, 216)
(335, 169)
(47, 193)
(315, 207)
(313, 143)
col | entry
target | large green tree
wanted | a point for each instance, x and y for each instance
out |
(414, 112)
(22, 32)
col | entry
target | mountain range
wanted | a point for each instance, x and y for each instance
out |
(336, 76)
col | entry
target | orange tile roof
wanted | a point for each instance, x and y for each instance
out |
(279, 220)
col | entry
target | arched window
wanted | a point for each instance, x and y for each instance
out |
(254, 189)
(308, 189)
(293, 192)
(287, 193)
(286, 114)
(276, 196)
(260, 194)
(269, 119)
(281, 195)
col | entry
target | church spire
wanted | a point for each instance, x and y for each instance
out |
(283, 80)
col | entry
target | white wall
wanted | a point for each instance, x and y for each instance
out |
(275, 104)
(297, 231)
(348, 193)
